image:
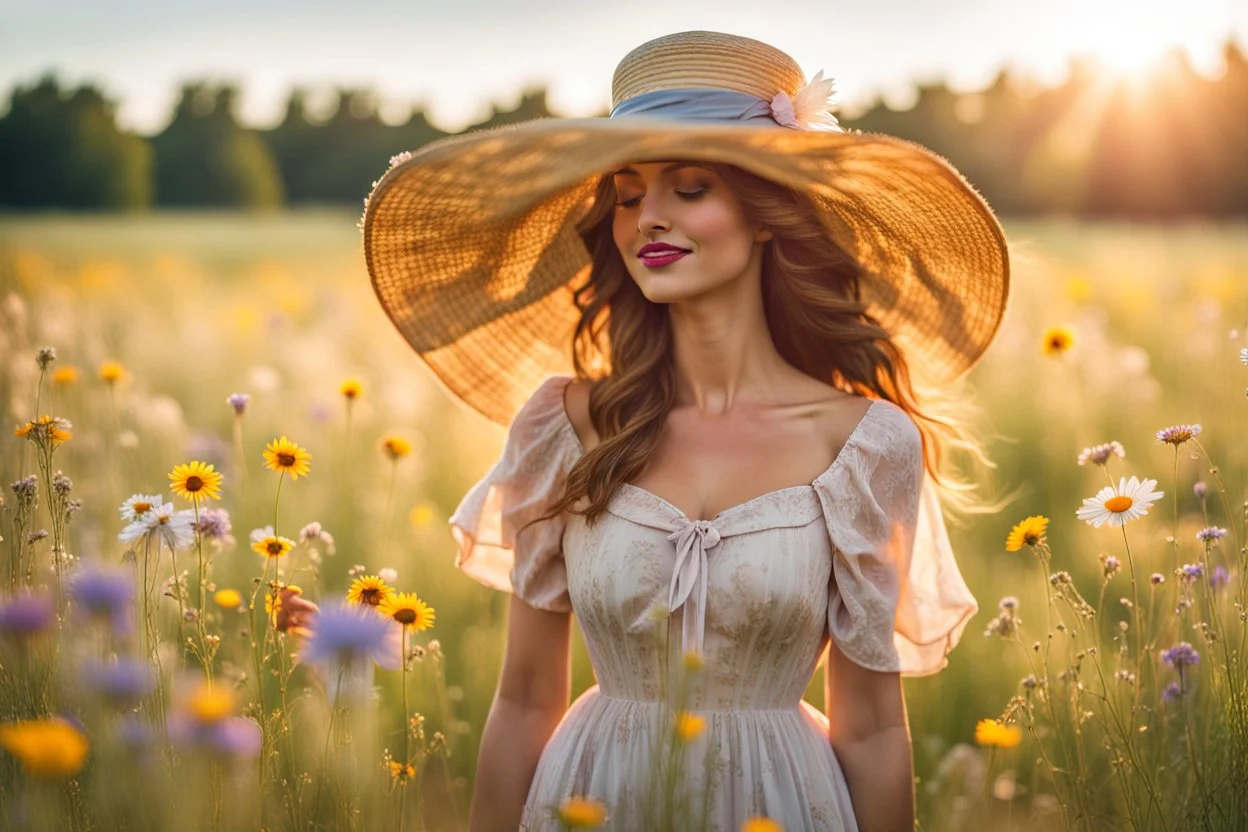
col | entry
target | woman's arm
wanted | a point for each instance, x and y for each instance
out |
(870, 734)
(532, 697)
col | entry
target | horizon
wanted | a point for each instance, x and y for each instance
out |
(458, 69)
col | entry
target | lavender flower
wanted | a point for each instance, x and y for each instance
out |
(1176, 435)
(27, 615)
(1180, 656)
(1100, 454)
(1192, 571)
(123, 681)
(239, 402)
(103, 593)
(1172, 692)
(1210, 533)
(1220, 577)
(214, 524)
(346, 635)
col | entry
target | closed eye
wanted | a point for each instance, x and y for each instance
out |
(688, 196)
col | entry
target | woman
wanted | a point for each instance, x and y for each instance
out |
(701, 329)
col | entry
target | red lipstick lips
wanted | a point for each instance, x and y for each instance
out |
(657, 255)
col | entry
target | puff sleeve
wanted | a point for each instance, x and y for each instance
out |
(489, 523)
(896, 601)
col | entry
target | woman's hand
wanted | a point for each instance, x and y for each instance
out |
(295, 614)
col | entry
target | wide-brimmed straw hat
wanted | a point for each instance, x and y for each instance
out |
(472, 247)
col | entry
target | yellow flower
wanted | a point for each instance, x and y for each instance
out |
(582, 813)
(396, 447)
(195, 480)
(990, 732)
(1058, 340)
(285, 456)
(209, 703)
(65, 375)
(227, 598)
(407, 609)
(46, 748)
(44, 428)
(351, 389)
(401, 772)
(111, 371)
(689, 726)
(422, 514)
(369, 590)
(761, 825)
(273, 546)
(1029, 532)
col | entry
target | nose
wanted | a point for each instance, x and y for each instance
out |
(651, 219)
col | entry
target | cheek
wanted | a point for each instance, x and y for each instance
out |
(720, 231)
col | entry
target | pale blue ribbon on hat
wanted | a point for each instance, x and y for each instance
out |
(698, 104)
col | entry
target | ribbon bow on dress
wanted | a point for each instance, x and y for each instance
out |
(692, 539)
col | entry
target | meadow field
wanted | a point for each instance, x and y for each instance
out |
(1114, 332)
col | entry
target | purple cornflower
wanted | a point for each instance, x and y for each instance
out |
(1200, 489)
(239, 402)
(1220, 577)
(230, 736)
(1192, 571)
(346, 635)
(214, 524)
(1172, 692)
(1180, 656)
(1210, 533)
(122, 681)
(27, 615)
(104, 593)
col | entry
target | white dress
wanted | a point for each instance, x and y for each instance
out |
(860, 555)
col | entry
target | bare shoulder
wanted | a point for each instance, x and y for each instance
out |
(576, 402)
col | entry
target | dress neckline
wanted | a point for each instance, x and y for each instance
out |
(849, 440)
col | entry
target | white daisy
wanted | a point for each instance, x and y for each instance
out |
(175, 529)
(260, 534)
(136, 505)
(1130, 500)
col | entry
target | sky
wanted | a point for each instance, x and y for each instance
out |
(456, 57)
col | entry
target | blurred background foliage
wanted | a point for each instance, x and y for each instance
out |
(1166, 144)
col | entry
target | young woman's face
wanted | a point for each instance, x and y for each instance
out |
(681, 230)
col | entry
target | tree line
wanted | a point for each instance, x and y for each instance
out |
(1170, 145)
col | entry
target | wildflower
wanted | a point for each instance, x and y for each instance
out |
(1100, 454)
(345, 635)
(195, 480)
(45, 357)
(123, 682)
(1125, 676)
(1130, 500)
(1191, 571)
(1009, 602)
(286, 457)
(25, 490)
(239, 402)
(422, 514)
(46, 429)
(1176, 435)
(314, 532)
(1220, 577)
(1210, 533)
(396, 447)
(111, 372)
(1029, 532)
(1110, 566)
(1200, 489)
(1180, 656)
(761, 825)
(203, 718)
(1058, 340)
(407, 609)
(351, 389)
(265, 542)
(214, 524)
(104, 593)
(46, 748)
(1006, 623)
(65, 375)
(228, 599)
(582, 813)
(27, 615)
(136, 505)
(689, 726)
(1156, 579)
(1030, 681)
(1172, 692)
(174, 529)
(369, 590)
(401, 772)
(388, 575)
(991, 732)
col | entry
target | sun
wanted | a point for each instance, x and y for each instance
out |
(1129, 37)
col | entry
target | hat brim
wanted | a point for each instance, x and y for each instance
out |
(472, 249)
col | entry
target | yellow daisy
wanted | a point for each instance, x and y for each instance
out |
(209, 703)
(369, 590)
(582, 813)
(46, 748)
(272, 546)
(689, 726)
(401, 772)
(1029, 533)
(111, 371)
(1058, 340)
(195, 481)
(227, 598)
(65, 375)
(284, 456)
(407, 609)
(990, 732)
(52, 428)
(396, 447)
(351, 389)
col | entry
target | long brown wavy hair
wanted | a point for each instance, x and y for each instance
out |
(817, 319)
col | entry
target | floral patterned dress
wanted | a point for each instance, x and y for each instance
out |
(860, 556)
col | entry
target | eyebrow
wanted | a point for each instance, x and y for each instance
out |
(668, 169)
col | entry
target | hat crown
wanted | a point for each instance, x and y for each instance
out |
(715, 60)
